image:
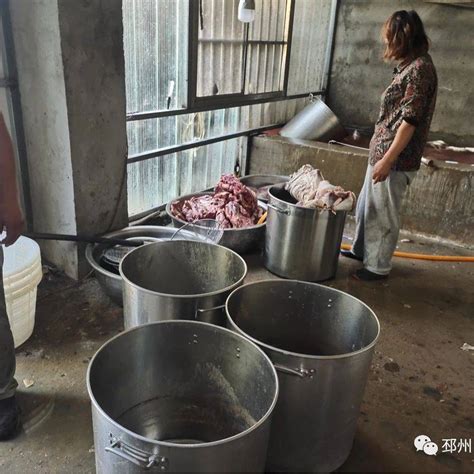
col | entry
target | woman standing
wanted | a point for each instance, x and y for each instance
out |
(397, 145)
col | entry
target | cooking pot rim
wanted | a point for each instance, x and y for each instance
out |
(308, 210)
(195, 296)
(297, 354)
(219, 442)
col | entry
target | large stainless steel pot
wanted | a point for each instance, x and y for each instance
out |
(301, 243)
(321, 341)
(111, 282)
(181, 396)
(315, 122)
(242, 241)
(179, 280)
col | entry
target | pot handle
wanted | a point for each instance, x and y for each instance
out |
(206, 310)
(136, 456)
(278, 209)
(302, 373)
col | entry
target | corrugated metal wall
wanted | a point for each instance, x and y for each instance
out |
(158, 180)
(266, 62)
(310, 41)
(156, 38)
(220, 52)
(155, 44)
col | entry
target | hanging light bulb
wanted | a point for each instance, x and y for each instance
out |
(246, 12)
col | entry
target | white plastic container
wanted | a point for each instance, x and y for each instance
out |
(22, 273)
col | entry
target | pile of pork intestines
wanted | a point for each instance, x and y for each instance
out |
(311, 190)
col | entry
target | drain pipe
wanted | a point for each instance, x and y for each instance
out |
(329, 47)
(335, 142)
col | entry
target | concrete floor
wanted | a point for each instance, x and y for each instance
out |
(421, 382)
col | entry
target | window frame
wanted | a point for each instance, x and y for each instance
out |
(229, 101)
(196, 102)
(217, 103)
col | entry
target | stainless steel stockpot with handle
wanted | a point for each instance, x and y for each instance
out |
(315, 122)
(181, 396)
(321, 341)
(109, 280)
(179, 280)
(301, 243)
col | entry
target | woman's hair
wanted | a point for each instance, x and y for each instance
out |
(405, 36)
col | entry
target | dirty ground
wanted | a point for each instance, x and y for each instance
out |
(421, 382)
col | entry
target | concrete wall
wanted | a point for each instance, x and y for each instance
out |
(43, 96)
(94, 73)
(359, 76)
(277, 155)
(71, 74)
(438, 203)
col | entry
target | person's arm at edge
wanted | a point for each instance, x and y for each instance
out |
(11, 217)
(402, 138)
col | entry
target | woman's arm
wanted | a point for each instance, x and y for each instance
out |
(11, 217)
(402, 138)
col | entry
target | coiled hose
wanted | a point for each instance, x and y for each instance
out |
(421, 256)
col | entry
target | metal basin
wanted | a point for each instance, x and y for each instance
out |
(181, 396)
(179, 280)
(110, 281)
(241, 241)
(301, 243)
(321, 341)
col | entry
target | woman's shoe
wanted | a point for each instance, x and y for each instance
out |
(365, 275)
(349, 254)
(9, 418)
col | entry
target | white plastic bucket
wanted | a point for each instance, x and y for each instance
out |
(22, 273)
